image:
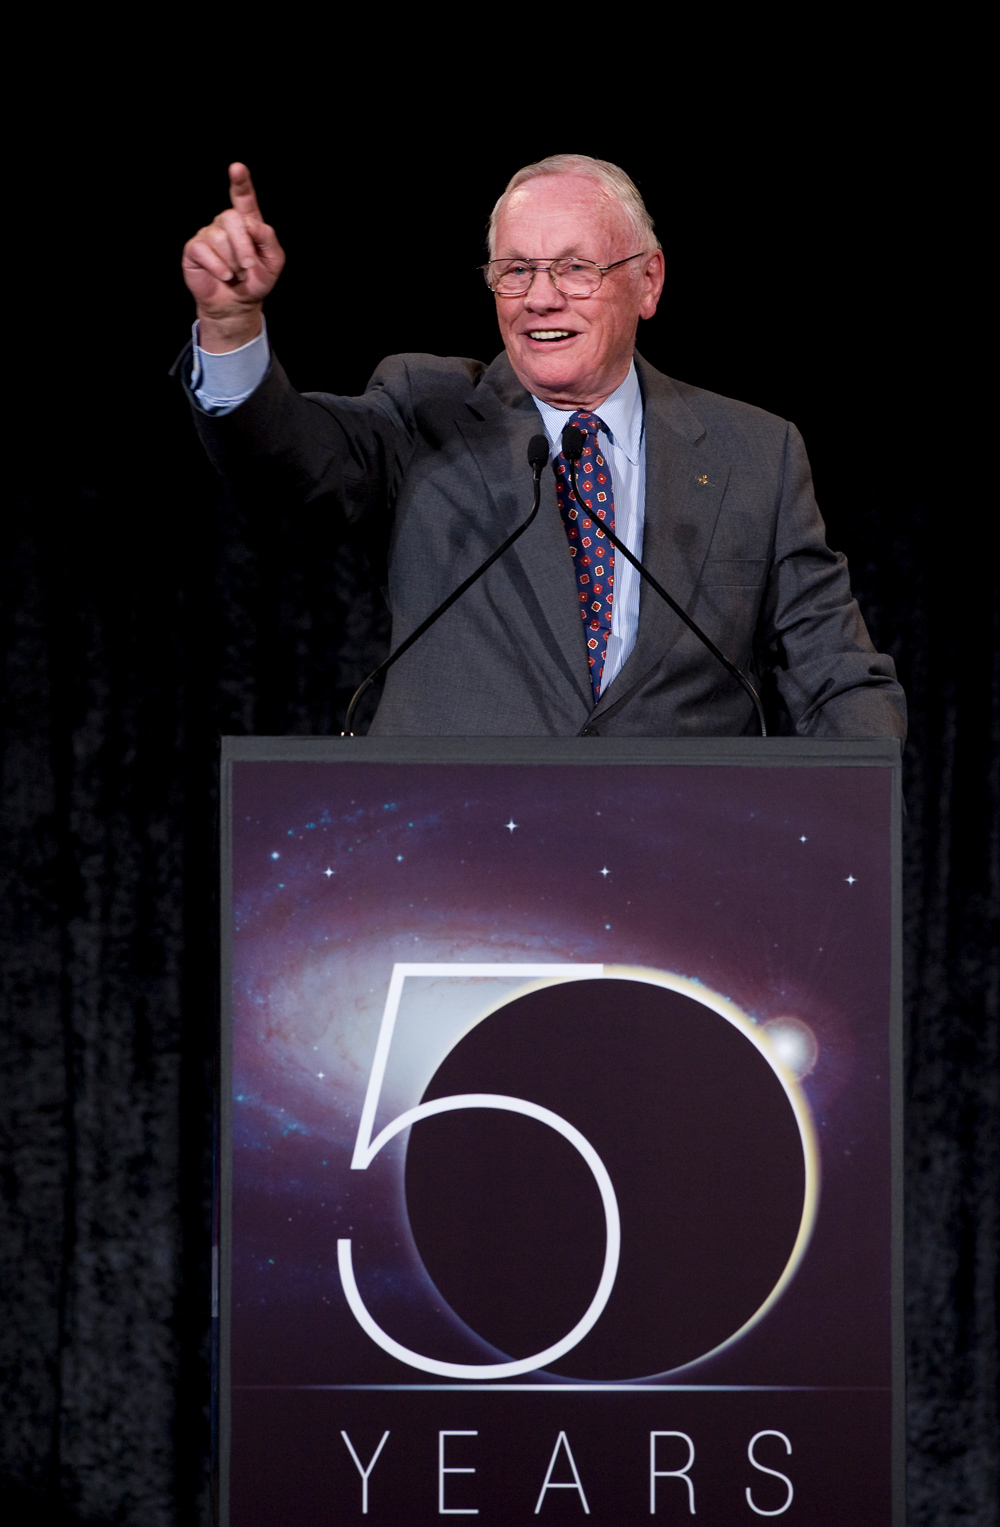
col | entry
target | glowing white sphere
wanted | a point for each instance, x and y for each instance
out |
(794, 1044)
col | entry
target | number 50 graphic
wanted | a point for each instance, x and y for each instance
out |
(541, 976)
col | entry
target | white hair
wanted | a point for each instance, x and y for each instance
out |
(614, 183)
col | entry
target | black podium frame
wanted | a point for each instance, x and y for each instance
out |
(775, 753)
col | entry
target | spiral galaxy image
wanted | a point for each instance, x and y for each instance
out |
(715, 1024)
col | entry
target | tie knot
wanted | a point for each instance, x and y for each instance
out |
(588, 422)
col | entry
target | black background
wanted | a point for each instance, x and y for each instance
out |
(815, 202)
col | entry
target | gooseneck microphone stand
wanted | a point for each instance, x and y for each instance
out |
(573, 441)
(538, 455)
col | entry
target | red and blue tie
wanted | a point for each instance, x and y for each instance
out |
(592, 552)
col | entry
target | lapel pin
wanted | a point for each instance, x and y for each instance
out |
(704, 480)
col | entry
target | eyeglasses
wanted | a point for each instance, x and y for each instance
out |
(572, 277)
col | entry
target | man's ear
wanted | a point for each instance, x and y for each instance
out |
(653, 275)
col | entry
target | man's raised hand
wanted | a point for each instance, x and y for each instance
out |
(231, 266)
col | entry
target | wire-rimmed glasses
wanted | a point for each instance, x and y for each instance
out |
(572, 276)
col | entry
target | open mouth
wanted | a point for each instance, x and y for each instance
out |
(549, 336)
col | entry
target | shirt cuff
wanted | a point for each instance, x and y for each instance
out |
(221, 383)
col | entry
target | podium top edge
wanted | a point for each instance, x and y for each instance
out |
(757, 752)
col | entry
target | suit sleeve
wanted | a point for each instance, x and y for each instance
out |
(817, 650)
(310, 446)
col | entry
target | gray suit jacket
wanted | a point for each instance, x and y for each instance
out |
(435, 452)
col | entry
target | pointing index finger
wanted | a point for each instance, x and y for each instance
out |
(242, 194)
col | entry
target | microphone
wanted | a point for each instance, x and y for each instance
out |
(573, 441)
(538, 455)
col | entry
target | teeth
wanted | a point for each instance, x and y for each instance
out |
(549, 333)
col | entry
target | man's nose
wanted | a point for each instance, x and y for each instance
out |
(543, 295)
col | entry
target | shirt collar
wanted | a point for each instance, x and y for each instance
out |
(621, 413)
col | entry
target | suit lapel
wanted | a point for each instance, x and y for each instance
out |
(499, 422)
(685, 486)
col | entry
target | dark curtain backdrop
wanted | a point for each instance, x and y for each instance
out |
(145, 613)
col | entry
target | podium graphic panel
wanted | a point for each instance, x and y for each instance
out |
(558, 1114)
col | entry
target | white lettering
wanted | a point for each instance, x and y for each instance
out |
(764, 1470)
(363, 1471)
(655, 1473)
(444, 1469)
(567, 1484)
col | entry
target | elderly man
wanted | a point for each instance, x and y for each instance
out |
(560, 637)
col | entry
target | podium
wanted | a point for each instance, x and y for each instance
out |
(560, 1157)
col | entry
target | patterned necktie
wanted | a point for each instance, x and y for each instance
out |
(592, 552)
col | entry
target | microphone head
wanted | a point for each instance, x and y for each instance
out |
(538, 452)
(573, 441)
